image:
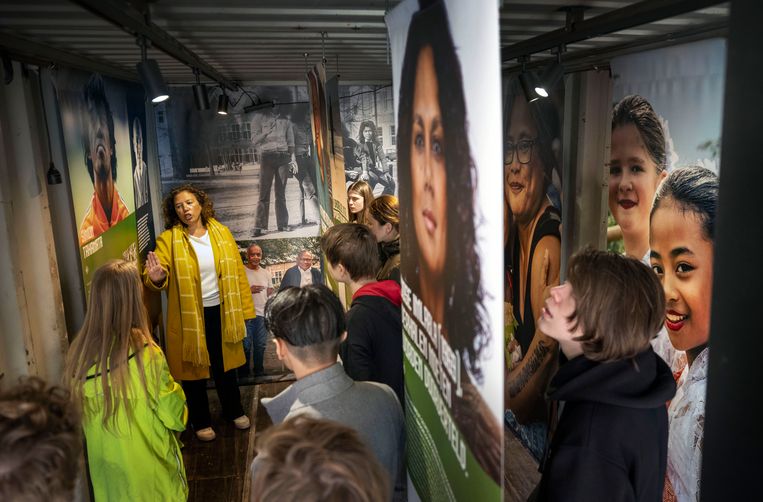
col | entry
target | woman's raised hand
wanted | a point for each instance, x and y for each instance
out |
(154, 268)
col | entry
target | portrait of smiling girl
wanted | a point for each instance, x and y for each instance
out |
(636, 168)
(681, 239)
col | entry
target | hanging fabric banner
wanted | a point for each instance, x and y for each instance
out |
(104, 128)
(667, 115)
(446, 81)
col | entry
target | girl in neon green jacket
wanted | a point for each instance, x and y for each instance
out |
(130, 403)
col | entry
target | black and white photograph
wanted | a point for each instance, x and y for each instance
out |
(255, 161)
(368, 123)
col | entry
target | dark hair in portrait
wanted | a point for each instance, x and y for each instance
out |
(636, 110)
(94, 96)
(464, 311)
(136, 137)
(168, 205)
(545, 116)
(370, 124)
(694, 189)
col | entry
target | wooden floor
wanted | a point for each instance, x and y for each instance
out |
(521, 474)
(218, 470)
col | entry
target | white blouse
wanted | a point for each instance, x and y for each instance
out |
(686, 415)
(210, 291)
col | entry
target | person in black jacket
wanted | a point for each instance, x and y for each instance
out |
(373, 349)
(609, 432)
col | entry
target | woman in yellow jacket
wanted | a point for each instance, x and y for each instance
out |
(130, 404)
(197, 261)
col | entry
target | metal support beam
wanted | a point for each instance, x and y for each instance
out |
(733, 435)
(32, 52)
(129, 19)
(587, 59)
(647, 11)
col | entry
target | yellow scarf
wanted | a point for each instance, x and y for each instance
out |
(186, 269)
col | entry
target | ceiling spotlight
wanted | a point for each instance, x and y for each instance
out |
(151, 77)
(200, 93)
(551, 76)
(153, 81)
(529, 87)
(222, 102)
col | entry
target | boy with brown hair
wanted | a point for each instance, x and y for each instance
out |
(610, 440)
(374, 346)
(310, 459)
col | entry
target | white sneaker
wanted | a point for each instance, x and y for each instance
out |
(242, 422)
(206, 434)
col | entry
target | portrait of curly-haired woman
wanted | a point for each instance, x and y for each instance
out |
(439, 256)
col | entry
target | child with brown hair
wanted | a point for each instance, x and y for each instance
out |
(374, 346)
(609, 434)
(310, 459)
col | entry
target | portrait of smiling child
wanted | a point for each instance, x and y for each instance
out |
(681, 238)
(636, 167)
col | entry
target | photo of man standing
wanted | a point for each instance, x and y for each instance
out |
(140, 174)
(274, 137)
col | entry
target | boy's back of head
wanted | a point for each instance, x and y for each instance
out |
(353, 246)
(311, 459)
(309, 319)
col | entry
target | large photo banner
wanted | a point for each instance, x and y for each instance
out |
(663, 190)
(104, 130)
(532, 169)
(256, 163)
(368, 126)
(447, 80)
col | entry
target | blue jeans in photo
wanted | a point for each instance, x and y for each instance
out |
(254, 343)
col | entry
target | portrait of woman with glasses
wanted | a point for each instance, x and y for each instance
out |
(532, 140)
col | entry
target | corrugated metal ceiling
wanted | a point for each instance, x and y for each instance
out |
(265, 41)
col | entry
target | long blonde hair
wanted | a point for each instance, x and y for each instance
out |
(115, 329)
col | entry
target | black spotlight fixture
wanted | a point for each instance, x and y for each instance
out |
(548, 80)
(551, 75)
(222, 102)
(151, 77)
(200, 93)
(528, 83)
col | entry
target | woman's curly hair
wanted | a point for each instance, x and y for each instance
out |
(171, 217)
